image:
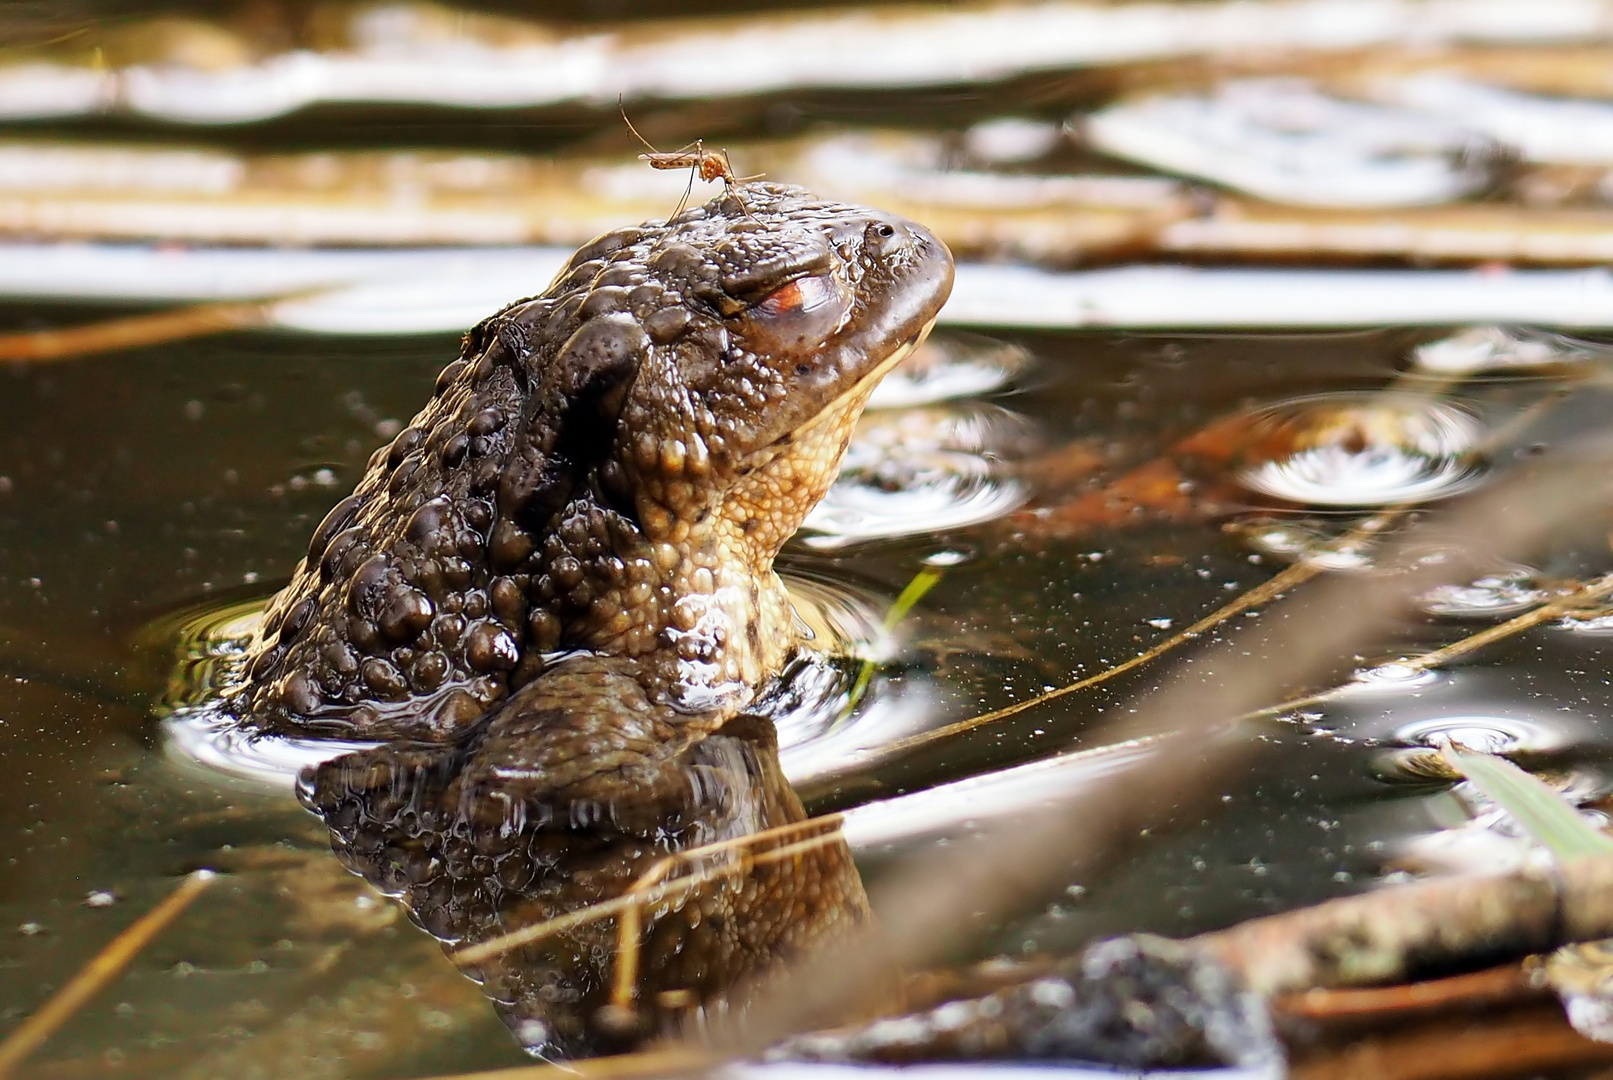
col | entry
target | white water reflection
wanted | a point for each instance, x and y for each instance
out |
(443, 290)
(1284, 140)
(421, 53)
(1498, 348)
(1538, 128)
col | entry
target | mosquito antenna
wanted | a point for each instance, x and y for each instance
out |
(659, 160)
(623, 107)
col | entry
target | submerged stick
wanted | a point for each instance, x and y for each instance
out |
(95, 975)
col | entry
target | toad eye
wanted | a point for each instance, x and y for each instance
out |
(799, 296)
(799, 315)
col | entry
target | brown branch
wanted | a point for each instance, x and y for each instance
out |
(1491, 988)
(1520, 1044)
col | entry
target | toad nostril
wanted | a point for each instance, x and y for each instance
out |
(886, 231)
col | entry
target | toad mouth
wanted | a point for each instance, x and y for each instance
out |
(860, 389)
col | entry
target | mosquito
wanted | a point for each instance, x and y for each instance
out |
(709, 165)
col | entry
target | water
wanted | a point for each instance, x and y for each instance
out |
(1081, 496)
(189, 475)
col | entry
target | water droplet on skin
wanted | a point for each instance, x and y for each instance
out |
(1356, 450)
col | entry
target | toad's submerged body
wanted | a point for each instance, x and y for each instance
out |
(609, 468)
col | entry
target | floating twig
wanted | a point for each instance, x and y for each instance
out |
(132, 331)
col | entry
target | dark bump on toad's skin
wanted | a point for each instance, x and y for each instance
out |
(607, 469)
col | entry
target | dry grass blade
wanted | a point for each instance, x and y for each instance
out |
(1579, 598)
(669, 1062)
(133, 331)
(1423, 384)
(1295, 575)
(629, 928)
(1535, 1042)
(102, 969)
(925, 911)
(1504, 985)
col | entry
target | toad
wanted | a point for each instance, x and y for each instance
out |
(550, 604)
(607, 471)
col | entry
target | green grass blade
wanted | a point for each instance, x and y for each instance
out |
(1552, 820)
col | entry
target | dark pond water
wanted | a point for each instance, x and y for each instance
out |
(140, 486)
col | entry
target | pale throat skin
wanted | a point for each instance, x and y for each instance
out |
(609, 469)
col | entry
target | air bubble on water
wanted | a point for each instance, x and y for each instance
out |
(1592, 620)
(1363, 450)
(1413, 765)
(1295, 542)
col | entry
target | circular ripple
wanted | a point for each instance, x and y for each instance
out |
(1505, 591)
(1487, 734)
(1359, 450)
(922, 471)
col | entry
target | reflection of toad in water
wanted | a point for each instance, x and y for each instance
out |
(476, 849)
